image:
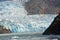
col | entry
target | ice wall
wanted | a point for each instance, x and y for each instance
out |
(13, 16)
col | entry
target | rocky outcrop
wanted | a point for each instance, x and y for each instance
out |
(42, 6)
(3, 30)
(54, 28)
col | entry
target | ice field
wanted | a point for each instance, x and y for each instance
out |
(13, 16)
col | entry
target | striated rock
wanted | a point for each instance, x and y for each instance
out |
(43, 6)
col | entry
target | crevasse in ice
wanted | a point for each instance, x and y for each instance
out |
(14, 17)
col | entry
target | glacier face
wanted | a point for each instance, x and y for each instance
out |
(13, 16)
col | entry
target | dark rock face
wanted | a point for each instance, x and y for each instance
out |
(2, 30)
(43, 6)
(54, 28)
(55, 3)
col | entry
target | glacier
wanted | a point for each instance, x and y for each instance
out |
(13, 16)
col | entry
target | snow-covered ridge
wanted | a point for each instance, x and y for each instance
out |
(14, 16)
